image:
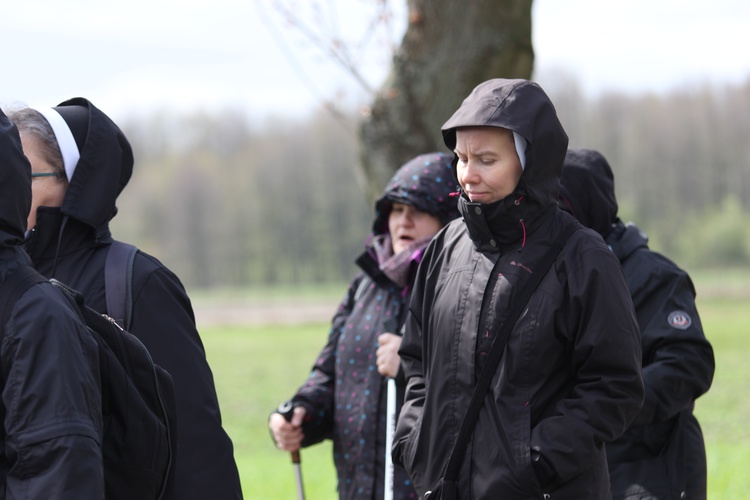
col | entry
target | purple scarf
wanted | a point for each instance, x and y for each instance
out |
(398, 267)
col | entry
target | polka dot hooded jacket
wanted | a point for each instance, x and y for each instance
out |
(345, 396)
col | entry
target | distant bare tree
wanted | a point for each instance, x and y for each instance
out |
(309, 32)
(449, 47)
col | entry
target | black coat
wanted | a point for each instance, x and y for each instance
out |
(569, 379)
(662, 454)
(50, 436)
(70, 243)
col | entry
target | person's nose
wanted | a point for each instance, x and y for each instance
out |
(407, 217)
(468, 173)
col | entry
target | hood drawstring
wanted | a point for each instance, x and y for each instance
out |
(523, 226)
(59, 243)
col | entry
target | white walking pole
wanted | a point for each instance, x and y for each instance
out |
(390, 430)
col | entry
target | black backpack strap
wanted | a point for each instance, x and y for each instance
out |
(496, 351)
(17, 282)
(118, 282)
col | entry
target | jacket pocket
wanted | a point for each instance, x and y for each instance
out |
(410, 456)
(506, 443)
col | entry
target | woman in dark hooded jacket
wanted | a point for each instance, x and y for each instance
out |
(569, 378)
(69, 238)
(344, 398)
(50, 413)
(661, 455)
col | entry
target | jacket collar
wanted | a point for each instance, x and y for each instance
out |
(56, 235)
(625, 239)
(503, 225)
(369, 265)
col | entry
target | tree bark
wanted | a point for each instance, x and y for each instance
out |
(449, 47)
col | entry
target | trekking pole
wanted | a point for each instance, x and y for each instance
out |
(390, 425)
(286, 409)
(390, 430)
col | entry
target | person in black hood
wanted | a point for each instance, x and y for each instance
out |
(68, 238)
(662, 454)
(569, 378)
(51, 430)
(344, 398)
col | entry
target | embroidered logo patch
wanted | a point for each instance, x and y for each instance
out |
(518, 264)
(680, 320)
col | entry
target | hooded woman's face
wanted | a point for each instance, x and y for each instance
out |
(407, 225)
(45, 191)
(488, 166)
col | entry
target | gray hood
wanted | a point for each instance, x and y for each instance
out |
(523, 107)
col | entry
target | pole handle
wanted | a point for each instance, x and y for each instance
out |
(286, 410)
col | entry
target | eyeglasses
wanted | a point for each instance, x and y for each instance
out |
(44, 174)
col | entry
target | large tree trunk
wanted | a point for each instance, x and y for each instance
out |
(449, 47)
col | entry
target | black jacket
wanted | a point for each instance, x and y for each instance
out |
(569, 379)
(50, 437)
(662, 454)
(70, 243)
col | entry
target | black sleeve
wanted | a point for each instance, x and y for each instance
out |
(163, 320)
(678, 360)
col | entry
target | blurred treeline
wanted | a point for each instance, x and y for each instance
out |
(230, 201)
(225, 204)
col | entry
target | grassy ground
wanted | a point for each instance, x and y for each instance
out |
(725, 410)
(257, 367)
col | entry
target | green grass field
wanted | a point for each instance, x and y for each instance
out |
(257, 367)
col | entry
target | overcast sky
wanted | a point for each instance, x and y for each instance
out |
(143, 55)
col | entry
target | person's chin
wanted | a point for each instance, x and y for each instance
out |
(401, 246)
(485, 198)
(479, 197)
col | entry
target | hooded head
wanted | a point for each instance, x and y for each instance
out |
(15, 185)
(426, 183)
(587, 189)
(523, 108)
(96, 156)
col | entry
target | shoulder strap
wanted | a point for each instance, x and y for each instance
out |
(496, 351)
(17, 282)
(118, 282)
(363, 284)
